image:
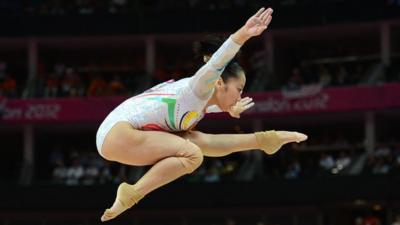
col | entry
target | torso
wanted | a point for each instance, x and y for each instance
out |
(169, 106)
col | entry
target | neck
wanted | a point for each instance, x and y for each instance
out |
(212, 100)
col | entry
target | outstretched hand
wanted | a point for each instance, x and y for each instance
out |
(258, 22)
(254, 26)
(240, 106)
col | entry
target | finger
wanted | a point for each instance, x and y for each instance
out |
(243, 101)
(265, 14)
(249, 106)
(260, 11)
(246, 101)
(268, 20)
(250, 103)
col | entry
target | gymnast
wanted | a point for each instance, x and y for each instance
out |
(156, 127)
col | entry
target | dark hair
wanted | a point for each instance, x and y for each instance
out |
(208, 46)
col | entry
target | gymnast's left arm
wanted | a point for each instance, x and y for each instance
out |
(237, 109)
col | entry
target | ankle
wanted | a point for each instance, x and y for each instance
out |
(268, 141)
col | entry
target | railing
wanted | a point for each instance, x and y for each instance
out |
(304, 102)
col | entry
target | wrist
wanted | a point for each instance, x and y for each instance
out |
(240, 36)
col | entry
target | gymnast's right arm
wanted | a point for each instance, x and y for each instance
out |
(202, 82)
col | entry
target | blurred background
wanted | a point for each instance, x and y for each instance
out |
(328, 68)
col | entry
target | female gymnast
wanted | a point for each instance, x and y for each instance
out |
(143, 130)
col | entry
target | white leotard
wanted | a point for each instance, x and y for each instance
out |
(172, 106)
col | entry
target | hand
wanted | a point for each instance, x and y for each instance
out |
(258, 23)
(240, 106)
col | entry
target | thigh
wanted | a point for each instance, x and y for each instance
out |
(202, 140)
(127, 145)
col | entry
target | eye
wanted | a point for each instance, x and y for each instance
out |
(240, 90)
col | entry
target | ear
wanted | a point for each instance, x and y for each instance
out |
(219, 83)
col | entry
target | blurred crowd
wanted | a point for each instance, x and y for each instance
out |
(69, 81)
(341, 74)
(336, 157)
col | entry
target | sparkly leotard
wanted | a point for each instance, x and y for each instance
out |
(172, 106)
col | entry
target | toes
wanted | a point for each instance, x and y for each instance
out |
(108, 214)
(301, 137)
(105, 218)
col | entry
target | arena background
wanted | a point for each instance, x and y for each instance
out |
(328, 68)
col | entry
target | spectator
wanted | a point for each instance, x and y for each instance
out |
(75, 173)
(343, 161)
(9, 86)
(91, 173)
(358, 220)
(3, 102)
(52, 85)
(325, 77)
(116, 87)
(293, 171)
(213, 172)
(295, 80)
(212, 175)
(369, 165)
(84, 7)
(105, 174)
(56, 156)
(97, 87)
(382, 151)
(326, 163)
(117, 6)
(357, 75)
(381, 167)
(396, 220)
(371, 220)
(72, 85)
(60, 172)
(3, 69)
(396, 166)
(341, 76)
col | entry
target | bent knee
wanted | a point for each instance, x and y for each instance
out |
(190, 156)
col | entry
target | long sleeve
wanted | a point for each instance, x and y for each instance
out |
(213, 109)
(202, 82)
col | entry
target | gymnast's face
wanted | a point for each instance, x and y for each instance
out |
(229, 92)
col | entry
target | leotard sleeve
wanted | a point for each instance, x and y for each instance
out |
(202, 82)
